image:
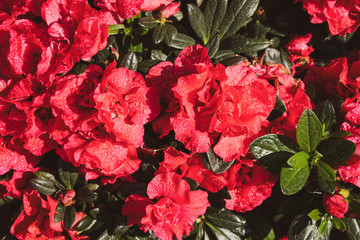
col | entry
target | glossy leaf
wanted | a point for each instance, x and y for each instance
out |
(69, 218)
(237, 15)
(273, 55)
(240, 44)
(225, 218)
(299, 160)
(215, 163)
(214, 14)
(59, 212)
(85, 224)
(213, 45)
(129, 61)
(303, 228)
(272, 143)
(115, 28)
(292, 180)
(43, 186)
(50, 177)
(338, 224)
(278, 110)
(352, 228)
(180, 41)
(159, 33)
(336, 150)
(147, 22)
(326, 113)
(68, 174)
(326, 177)
(309, 131)
(197, 22)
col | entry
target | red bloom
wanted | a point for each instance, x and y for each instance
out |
(125, 104)
(342, 16)
(249, 185)
(175, 211)
(335, 205)
(350, 172)
(151, 5)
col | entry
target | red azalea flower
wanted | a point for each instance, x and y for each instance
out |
(175, 210)
(342, 16)
(335, 205)
(350, 172)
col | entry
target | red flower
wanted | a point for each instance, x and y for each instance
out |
(335, 205)
(125, 104)
(342, 16)
(151, 5)
(249, 185)
(175, 211)
(350, 172)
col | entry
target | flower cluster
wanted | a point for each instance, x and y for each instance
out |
(107, 131)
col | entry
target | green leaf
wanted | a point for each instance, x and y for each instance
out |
(272, 143)
(214, 162)
(50, 177)
(223, 54)
(219, 233)
(240, 44)
(326, 177)
(237, 15)
(129, 61)
(292, 180)
(68, 174)
(192, 183)
(258, 30)
(85, 224)
(115, 28)
(352, 228)
(214, 14)
(144, 66)
(303, 228)
(278, 110)
(309, 131)
(273, 55)
(159, 33)
(336, 150)
(225, 219)
(69, 218)
(315, 214)
(232, 61)
(147, 22)
(340, 134)
(158, 55)
(260, 227)
(59, 212)
(197, 22)
(299, 160)
(354, 202)
(114, 235)
(326, 114)
(338, 224)
(181, 41)
(213, 46)
(43, 186)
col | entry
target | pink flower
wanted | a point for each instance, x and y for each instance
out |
(335, 205)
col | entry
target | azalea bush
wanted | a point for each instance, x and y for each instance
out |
(189, 119)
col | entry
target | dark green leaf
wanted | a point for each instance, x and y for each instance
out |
(232, 61)
(181, 41)
(43, 186)
(258, 30)
(158, 55)
(303, 228)
(346, 38)
(223, 193)
(272, 143)
(299, 160)
(59, 212)
(326, 177)
(50, 177)
(200, 232)
(69, 218)
(309, 131)
(197, 22)
(315, 214)
(273, 55)
(292, 180)
(340, 134)
(129, 61)
(86, 195)
(159, 33)
(192, 183)
(237, 15)
(354, 202)
(214, 14)
(352, 228)
(68, 174)
(114, 235)
(223, 54)
(275, 161)
(338, 224)
(225, 219)
(215, 163)
(213, 45)
(240, 44)
(260, 227)
(326, 114)
(85, 224)
(278, 110)
(147, 22)
(114, 29)
(221, 233)
(144, 66)
(170, 33)
(336, 150)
